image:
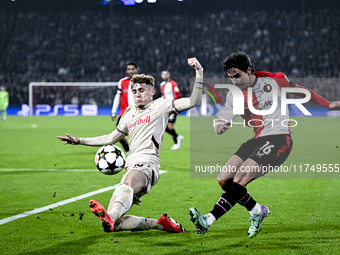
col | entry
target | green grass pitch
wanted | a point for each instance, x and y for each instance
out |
(304, 219)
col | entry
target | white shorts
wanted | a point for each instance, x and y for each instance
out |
(151, 175)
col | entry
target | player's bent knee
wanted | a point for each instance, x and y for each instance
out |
(224, 182)
(221, 182)
(136, 180)
(242, 181)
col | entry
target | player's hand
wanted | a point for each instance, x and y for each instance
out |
(334, 106)
(68, 139)
(221, 127)
(113, 117)
(194, 63)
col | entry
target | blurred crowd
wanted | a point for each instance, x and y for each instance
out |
(75, 46)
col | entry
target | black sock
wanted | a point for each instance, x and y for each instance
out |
(173, 133)
(235, 194)
(223, 205)
(240, 194)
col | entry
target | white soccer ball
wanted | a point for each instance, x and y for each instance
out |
(110, 159)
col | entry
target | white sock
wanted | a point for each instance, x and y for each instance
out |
(123, 202)
(210, 219)
(256, 210)
(134, 223)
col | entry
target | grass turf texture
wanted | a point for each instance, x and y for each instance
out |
(304, 219)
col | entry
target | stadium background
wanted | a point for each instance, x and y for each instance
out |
(70, 41)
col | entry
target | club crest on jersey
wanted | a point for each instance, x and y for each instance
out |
(267, 88)
(139, 122)
(149, 109)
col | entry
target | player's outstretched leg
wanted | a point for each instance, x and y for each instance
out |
(100, 212)
(222, 206)
(178, 144)
(135, 223)
(256, 221)
(3, 113)
(170, 225)
(199, 220)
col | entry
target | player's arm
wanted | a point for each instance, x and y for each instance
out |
(194, 100)
(334, 106)
(116, 102)
(112, 138)
(226, 116)
(315, 98)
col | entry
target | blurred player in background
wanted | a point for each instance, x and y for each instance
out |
(269, 148)
(170, 91)
(145, 124)
(124, 98)
(3, 103)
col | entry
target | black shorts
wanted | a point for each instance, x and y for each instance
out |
(270, 151)
(172, 118)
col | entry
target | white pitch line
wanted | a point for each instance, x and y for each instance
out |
(64, 202)
(45, 170)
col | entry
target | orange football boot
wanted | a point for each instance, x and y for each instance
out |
(101, 213)
(170, 225)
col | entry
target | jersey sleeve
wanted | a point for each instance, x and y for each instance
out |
(194, 100)
(119, 90)
(283, 81)
(167, 106)
(175, 89)
(116, 101)
(6, 100)
(315, 98)
(111, 138)
(122, 127)
(161, 87)
(226, 113)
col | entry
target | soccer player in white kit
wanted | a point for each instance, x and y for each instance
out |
(145, 123)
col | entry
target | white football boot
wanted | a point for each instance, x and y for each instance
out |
(177, 145)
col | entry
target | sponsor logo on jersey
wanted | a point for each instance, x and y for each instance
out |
(267, 88)
(139, 121)
(265, 105)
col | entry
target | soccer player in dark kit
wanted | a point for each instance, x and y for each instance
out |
(269, 148)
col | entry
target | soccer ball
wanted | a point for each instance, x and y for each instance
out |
(110, 159)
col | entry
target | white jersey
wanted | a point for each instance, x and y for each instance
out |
(274, 123)
(145, 128)
(263, 125)
(170, 90)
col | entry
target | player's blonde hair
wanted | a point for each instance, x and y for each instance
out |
(142, 78)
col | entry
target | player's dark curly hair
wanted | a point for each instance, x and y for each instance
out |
(238, 60)
(132, 64)
(142, 78)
